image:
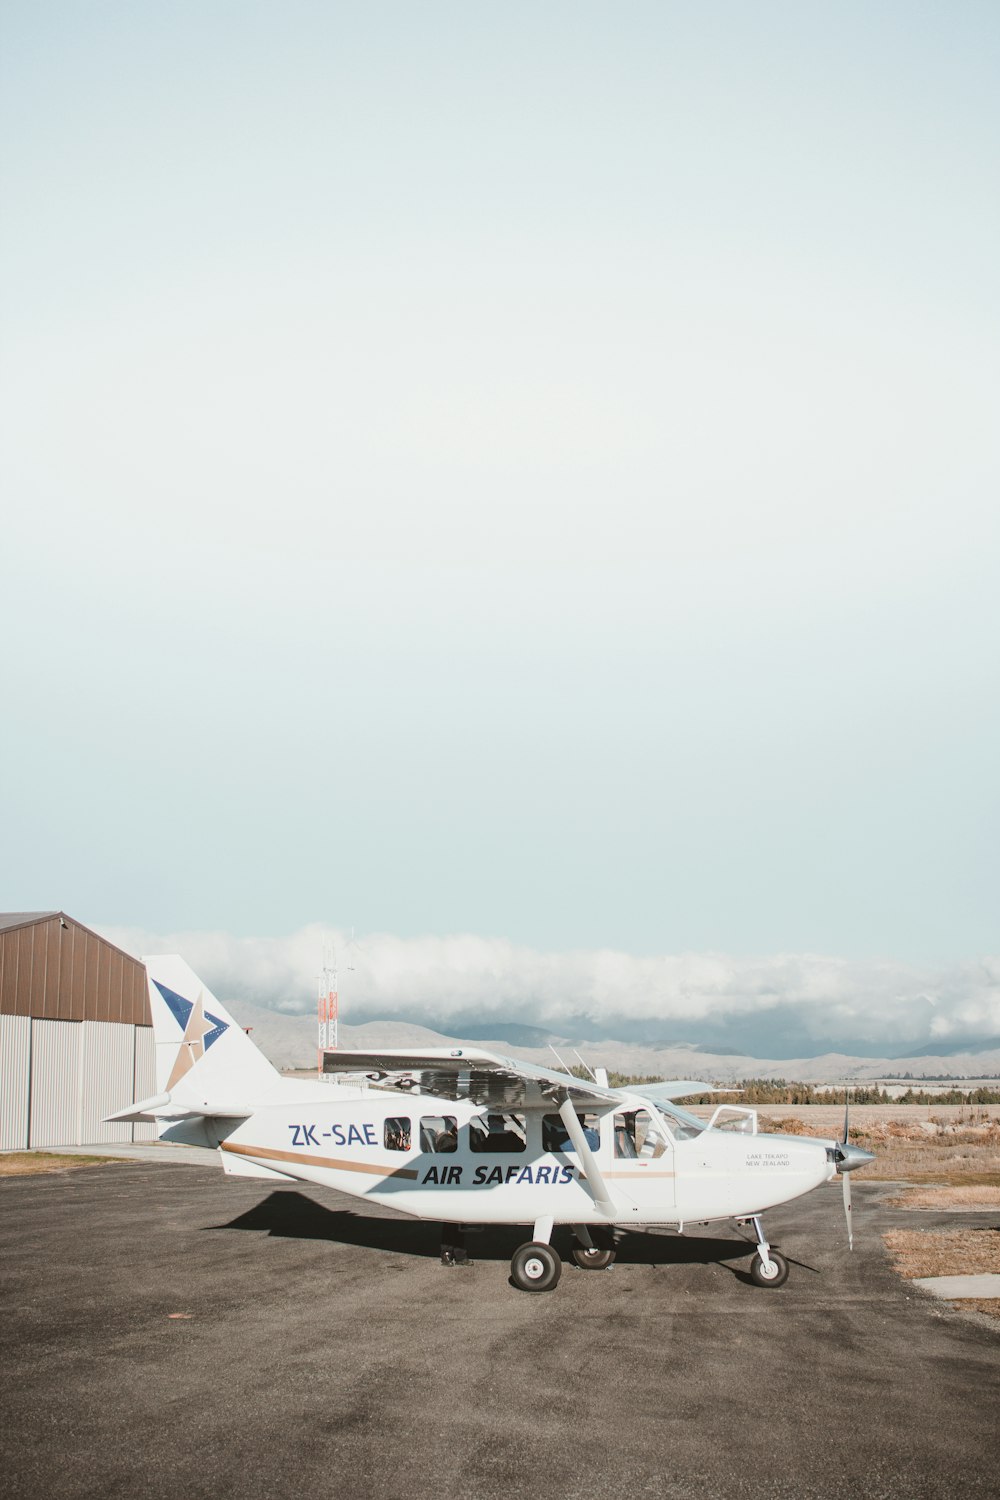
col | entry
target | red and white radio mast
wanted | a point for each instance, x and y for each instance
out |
(329, 1005)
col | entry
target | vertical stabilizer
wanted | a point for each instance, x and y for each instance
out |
(202, 1054)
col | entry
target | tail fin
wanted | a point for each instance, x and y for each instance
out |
(202, 1055)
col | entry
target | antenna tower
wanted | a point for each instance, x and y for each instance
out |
(329, 1003)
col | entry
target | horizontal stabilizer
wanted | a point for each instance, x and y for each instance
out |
(168, 1107)
(141, 1110)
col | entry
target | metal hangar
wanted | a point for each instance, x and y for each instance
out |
(76, 1039)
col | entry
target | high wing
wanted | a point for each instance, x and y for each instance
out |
(469, 1073)
(668, 1093)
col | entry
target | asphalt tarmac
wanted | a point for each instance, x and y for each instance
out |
(168, 1332)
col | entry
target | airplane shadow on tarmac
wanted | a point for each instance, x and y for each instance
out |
(292, 1215)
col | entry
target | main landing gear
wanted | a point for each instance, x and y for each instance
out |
(589, 1256)
(592, 1258)
(767, 1268)
(536, 1267)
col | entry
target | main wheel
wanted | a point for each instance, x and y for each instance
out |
(535, 1267)
(774, 1275)
(594, 1259)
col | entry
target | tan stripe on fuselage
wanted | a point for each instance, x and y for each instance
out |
(333, 1163)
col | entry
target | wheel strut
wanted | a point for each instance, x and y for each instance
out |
(763, 1248)
(767, 1268)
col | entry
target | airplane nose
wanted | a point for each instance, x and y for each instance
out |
(848, 1157)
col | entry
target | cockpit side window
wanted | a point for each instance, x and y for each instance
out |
(625, 1137)
(635, 1137)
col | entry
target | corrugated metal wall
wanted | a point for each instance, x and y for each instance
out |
(58, 1079)
(107, 1070)
(15, 1063)
(55, 1084)
(145, 1079)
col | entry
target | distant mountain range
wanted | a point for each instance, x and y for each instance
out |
(290, 1042)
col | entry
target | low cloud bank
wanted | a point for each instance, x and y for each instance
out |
(785, 1005)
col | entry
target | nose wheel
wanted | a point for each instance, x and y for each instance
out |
(767, 1268)
(535, 1267)
(772, 1272)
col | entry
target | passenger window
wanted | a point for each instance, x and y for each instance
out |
(634, 1137)
(497, 1133)
(555, 1136)
(439, 1133)
(397, 1133)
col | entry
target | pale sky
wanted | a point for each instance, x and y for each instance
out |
(526, 471)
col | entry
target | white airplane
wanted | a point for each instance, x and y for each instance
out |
(467, 1137)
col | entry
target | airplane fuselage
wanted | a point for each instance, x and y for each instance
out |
(455, 1161)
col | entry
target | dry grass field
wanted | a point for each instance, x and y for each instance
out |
(960, 1199)
(919, 1252)
(947, 1145)
(30, 1163)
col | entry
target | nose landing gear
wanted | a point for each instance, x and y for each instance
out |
(767, 1268)
(773, 1272)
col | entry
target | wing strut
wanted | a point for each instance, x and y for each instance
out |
(596, 1185)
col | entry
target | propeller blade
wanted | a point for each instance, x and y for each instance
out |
(846, 1179)
(847, 1116)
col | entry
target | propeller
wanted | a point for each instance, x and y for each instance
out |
(847, 1157)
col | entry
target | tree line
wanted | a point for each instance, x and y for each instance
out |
(788, 1091)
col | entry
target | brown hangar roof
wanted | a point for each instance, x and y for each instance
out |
(55, 969)
(23, 918)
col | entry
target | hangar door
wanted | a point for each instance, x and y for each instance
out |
(80, 1071)
(55, 1083)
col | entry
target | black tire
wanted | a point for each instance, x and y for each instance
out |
(535, 1267)
(777, 1276)
(595, 1259)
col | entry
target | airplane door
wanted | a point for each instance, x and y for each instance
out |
(642, 1174)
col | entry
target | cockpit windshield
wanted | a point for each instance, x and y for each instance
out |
(682, 1126)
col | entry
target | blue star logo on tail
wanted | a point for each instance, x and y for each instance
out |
(199, 1026)
(181, 1011)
